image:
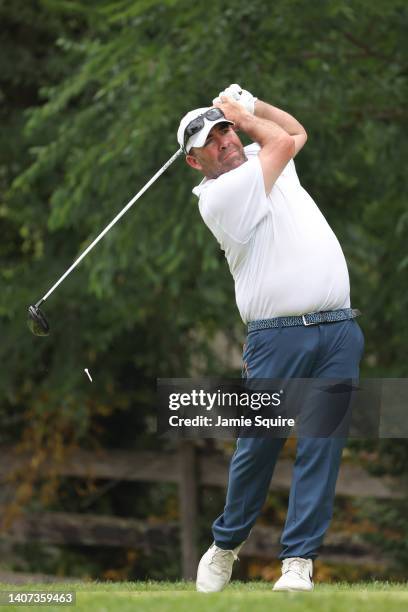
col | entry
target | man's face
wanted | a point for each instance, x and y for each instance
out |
(222, 152)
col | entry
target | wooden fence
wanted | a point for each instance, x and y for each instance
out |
(189, 469)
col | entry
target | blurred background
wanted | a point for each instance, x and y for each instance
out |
(91, 95)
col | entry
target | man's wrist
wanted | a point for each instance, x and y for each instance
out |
(262, 110)
(245, 121)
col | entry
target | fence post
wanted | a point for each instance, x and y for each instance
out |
(188, 508)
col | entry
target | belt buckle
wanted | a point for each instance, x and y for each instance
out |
(307, 324)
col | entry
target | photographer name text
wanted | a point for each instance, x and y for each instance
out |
(206, 421)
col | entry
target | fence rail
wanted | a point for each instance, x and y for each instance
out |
(61, 528)
(212, 470)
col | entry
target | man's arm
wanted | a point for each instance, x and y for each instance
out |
(277, 146)
(268, 112)
(284, 120)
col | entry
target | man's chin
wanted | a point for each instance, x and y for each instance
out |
(232, 161)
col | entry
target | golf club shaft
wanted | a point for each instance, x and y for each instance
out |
(112, 223)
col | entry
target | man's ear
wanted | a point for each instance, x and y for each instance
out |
(193, 162)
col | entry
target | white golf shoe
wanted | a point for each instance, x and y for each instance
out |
(297, 575)
(215, 569)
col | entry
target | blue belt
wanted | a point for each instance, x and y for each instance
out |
(311, 318)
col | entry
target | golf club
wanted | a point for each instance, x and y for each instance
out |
(37, 321)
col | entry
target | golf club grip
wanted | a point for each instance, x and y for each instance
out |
(112, 223)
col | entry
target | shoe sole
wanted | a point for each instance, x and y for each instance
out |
(293, 590)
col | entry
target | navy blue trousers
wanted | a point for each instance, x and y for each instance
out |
(330, 350)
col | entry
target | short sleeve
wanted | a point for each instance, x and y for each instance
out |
(234, 203)
(289, 172)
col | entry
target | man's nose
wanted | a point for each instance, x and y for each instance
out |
(223, 141)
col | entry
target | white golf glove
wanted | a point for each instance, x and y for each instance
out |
(240, 95)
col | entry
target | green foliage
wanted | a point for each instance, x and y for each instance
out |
(110, 122)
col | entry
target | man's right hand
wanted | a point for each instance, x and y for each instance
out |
(244, 97)
(232, 110)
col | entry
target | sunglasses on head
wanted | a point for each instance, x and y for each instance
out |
(197, 124)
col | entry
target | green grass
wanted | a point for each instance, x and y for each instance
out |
(238, 597)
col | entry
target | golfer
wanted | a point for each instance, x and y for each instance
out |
(292, 290)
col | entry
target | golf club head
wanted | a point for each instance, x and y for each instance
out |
(37, 323)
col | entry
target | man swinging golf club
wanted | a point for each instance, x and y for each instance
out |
(292, 290)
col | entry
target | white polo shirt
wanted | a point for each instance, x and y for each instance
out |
(282, 253)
